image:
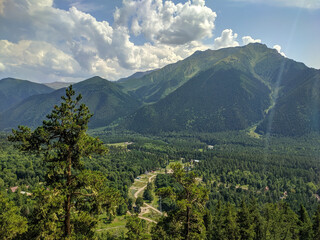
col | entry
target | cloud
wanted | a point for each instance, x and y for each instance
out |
(308, 4)
(64, 44)
(247, 39)
(278, 48)
(2, 67)
(2, 6)
(38, 56)
(227, 39)
(167, 23)
(42, 43)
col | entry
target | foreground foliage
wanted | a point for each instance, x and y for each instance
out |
(72, 195)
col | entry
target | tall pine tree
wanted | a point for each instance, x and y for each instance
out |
(73, 193)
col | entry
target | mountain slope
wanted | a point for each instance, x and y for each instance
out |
(160, 83)
(105, 99)
(226, 99)
(242, 87)
(297, 110)
(13, 91)
(58, 85)
(156, 85)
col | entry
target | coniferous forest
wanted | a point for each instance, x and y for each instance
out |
(226, 185)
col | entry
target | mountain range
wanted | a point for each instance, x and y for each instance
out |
(215, 90)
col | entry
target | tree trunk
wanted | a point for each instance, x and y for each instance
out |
(67, 219)
(188, 223)
(67, 216)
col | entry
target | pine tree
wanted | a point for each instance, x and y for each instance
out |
(11, 222)
(316, 224)
(147, 194)
(185, 221)
(74, 194)
(305, 231)
(136, 228)
(245, 222)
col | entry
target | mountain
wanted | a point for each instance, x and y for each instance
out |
(213, 101)
(238, 88)
(297, 109)
(158, 84)
(13, 91)
(105, 100)
(58, 85)
(136, 75)
(231, 89)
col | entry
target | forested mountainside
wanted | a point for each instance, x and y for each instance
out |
(249, 87)
(105, 99)
(13, 91)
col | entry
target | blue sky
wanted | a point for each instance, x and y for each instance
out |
(71, 40)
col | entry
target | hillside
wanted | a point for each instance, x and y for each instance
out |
(58, 85)
(105, 100)
(158, 84)
(13, 91)
(242, 87)
(228, 89)
(212, 101)
(297, 110)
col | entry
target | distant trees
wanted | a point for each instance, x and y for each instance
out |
(137, 228)
(147, 194)
(185, 221)
(72, 195)
(139, 204)
(11, 222)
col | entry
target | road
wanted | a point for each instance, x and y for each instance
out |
(146, 207)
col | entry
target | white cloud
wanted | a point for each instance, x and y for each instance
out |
(247, 39)
(39, 56)
(167, 23)
(308, 4)
(227, 39)
(278, 48)
(42, 43)
(2, 67)
(60, 44)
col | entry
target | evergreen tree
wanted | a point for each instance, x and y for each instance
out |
(147, 194)
(74, 194)
(305, 231)
(186, 220)
(231, 230)
(136, 228)
(245, 222)
(316, 224)
(11, 222)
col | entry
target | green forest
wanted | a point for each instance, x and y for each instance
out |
(61, 182)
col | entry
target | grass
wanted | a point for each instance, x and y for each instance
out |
(118, 223)
(252, 132)
(152, 215)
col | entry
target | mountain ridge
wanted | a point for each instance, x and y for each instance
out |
(13, 91)
(214, 90)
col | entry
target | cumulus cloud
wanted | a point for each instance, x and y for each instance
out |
(247, 39)
(70, 43)
(227, 39)
(166, 22)
(42, 43)
(278, 48)
(38, 56)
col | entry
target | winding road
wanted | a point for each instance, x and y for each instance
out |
(146, 207)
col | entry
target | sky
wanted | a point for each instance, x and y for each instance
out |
(72, 40)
